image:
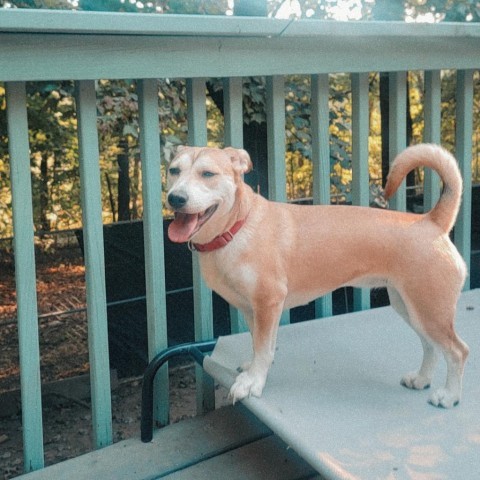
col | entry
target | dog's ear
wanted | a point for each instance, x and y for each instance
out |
(240, 159)
(180, 148)
(171, 152)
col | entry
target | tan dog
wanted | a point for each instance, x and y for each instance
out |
(264, 257)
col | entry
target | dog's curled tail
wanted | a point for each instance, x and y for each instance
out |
(444, 213)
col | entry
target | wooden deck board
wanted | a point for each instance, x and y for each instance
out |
(229, 441)
(265, 459)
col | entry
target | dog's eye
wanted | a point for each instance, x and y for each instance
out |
(208, 174)
(174, 171)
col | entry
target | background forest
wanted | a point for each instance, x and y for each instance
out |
(52, 118)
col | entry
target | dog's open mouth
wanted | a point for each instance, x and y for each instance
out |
(186, 225)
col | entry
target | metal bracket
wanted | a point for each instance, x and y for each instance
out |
(196, 350)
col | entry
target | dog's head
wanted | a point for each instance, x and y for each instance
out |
(202, 185)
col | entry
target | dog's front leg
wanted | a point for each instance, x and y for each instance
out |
(264, 328)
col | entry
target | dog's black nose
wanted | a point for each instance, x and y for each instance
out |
(177, 200)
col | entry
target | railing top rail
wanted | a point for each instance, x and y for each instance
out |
(111, 23)
(50, 45)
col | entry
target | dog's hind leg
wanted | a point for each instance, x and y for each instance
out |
(455, 351)
(433, 318)
(421, 379)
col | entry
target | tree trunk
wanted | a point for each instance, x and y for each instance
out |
(123, 182)
(384, 114)
(44, 194)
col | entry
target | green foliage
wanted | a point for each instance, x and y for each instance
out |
(48, 4)
(298, 136)
(54, 159)
(53, 153)
(254, 100)
(192, 7)
(108, 6)
(195, 7)
(299, 176)
(5, 191)
(447, 10)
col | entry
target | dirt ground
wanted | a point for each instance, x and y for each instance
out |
(67, 423)
(64, 354)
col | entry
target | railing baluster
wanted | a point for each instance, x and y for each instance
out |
(398, 129)
(233, 111)
(233, 120)
(463, 142)
(432, 134)
(94, 262)
(360, 167)
(320, 125)
(277, 188)
(153, 239)
(25, 277)
(276, 139)
(203, 315)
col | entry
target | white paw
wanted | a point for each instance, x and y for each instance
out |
(444, 399)
(247, 384)
(415, 381)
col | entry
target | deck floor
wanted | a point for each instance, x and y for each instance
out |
(227, 443)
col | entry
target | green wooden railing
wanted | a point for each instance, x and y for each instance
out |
(84, 47)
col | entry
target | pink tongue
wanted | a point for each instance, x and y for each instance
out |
(181, 229)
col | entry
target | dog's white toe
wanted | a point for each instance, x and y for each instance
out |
(444, 399)
(415, 381)
(247, 384)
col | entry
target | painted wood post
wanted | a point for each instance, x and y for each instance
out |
(360, 166)
(432, 134)
(94, 262)
(153, 239)
(202, 295)
(277, 189)
(398, 130)
(27, 314)
(233, 125)
(233, 111)
(320, 129)
(463, 147)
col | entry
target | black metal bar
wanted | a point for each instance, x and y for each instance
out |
(194, 350)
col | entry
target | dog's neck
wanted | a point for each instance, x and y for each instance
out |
(238, 216)
(220, 241)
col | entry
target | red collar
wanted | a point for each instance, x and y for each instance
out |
(218, 242)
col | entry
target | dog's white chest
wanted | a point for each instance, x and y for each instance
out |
(232, 280)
